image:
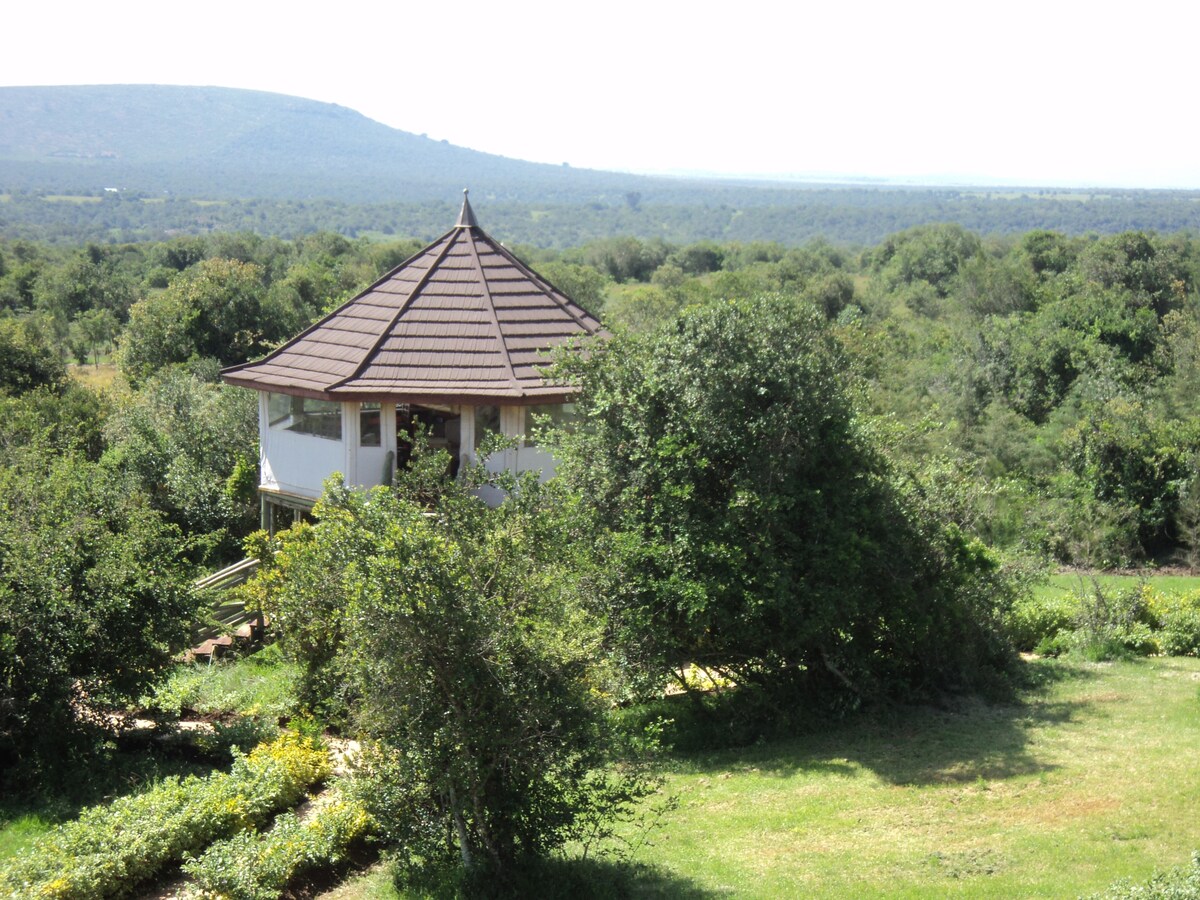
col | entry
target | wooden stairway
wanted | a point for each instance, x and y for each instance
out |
(230, 622)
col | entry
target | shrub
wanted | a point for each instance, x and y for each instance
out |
(109, 850)
(1033, 621)
(1180, 883)
(1178, 621)
(251, 866)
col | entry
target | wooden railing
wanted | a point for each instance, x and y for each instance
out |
(227, 614)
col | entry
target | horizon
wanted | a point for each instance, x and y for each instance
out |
(931, 94)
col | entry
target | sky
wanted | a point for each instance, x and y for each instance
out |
(1039, 93)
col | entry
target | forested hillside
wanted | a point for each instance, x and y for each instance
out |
(226, 143)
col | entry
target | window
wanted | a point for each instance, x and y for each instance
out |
(369, 425)
(542, 416)
(303, 415)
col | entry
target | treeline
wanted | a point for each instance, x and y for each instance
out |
(729, 212)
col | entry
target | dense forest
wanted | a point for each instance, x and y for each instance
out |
(123, 163)
(1055, 376)
(680, 213)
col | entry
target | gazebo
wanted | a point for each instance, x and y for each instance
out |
(452, 340)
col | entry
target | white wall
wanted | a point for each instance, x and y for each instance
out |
(298, 464)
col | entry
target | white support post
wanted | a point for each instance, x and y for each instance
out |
(350, 427)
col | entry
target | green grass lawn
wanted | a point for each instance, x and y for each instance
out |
(1065, 583)
(1091, 777)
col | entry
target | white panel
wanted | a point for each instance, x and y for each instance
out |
(300, 463)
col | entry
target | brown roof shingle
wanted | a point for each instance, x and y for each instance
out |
(462, 320)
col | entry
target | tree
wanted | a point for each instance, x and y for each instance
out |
(929, 253)
(190, 443)
(28, 359)
(583, 284)
(94, 602)
(210, 310)
(751, 526)
(474, 665)
(99, 328)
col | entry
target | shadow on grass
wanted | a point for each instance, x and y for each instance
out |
(960, 740)
(578, 879)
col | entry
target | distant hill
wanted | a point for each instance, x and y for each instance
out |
(141, 162)
(225, 143)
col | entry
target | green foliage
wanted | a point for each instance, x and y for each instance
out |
(1113, 624)
(928, 253)
(751, 526)
(1176, 619)
(93, 598)
(252, 866)
(191, 445)
(1107, 621)
(28, 358)
(260, 685)
(584, 284)
(66, 419)
(210, 310)
(110, 850)
(1125, 456)
(1037, 620)
(1180, 883)
(473, 663)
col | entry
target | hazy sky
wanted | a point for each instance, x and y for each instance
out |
(1042, 92)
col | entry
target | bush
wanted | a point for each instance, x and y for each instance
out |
(1033, 621)
(1114, 623)
(109, 850)
(1180, 883)
(1177, 618)
(251, 866)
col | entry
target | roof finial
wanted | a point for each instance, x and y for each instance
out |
(466, 218)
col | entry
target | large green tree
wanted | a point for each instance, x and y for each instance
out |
(190, 444)
(94, 601)
(210, 310)
(473, 665)
(751, 524)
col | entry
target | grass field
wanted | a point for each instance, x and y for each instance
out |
(1065, 583)
(99, 377)
(1091, 777)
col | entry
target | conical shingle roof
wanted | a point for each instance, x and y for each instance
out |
(461, 321)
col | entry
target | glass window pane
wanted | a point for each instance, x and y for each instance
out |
(370, 432)
(541, 416)
(304, 415)
(279, 410)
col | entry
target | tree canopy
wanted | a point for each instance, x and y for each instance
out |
(754, 526)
